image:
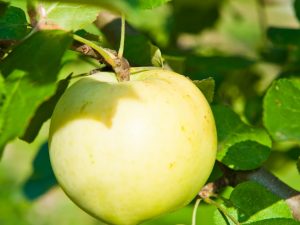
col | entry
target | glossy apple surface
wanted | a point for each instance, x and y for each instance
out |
(126, 152)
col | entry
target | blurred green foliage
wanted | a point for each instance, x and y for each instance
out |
(243, 45)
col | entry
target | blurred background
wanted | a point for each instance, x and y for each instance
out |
(223, 39)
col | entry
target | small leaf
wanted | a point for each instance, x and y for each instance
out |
(42, 177)
(207, 87)
(250, 202)
(240, 147)
(282, 110)
(156, 57)
(275, 221)
(70, 16)
(44, 111)
(13, 24)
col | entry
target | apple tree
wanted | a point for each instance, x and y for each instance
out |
(240, 61)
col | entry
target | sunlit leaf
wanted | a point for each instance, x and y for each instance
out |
(70, 16)
(282, 110)
(250, 202)
(29, 81)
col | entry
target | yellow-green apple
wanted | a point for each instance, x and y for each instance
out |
(126, 152)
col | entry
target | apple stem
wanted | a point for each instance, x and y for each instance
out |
(212, 202)
(122, 39)
(119, 65)
(195, 211)
(107, 56)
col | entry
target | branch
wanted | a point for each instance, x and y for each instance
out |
(261, 176)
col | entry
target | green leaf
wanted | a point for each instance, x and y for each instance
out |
(297, 8)
(279, 221)
(45, 49)
(30, 72)
(13, 24)
(42, 177)
(156, 57)
(240, 147)
(115, 5)
(253, 200)
(250, 202)
(284, 36)
(70, 16)
(44, 112)
(125, 6)
(282, 110)
(22, 97)
(207, 87)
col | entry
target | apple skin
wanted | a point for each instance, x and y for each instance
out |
(126, 152)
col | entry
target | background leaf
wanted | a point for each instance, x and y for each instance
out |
(197, 67)
(240, 146)
(282, 110)
(187, 15)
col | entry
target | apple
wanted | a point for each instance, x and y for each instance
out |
(126, 152)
